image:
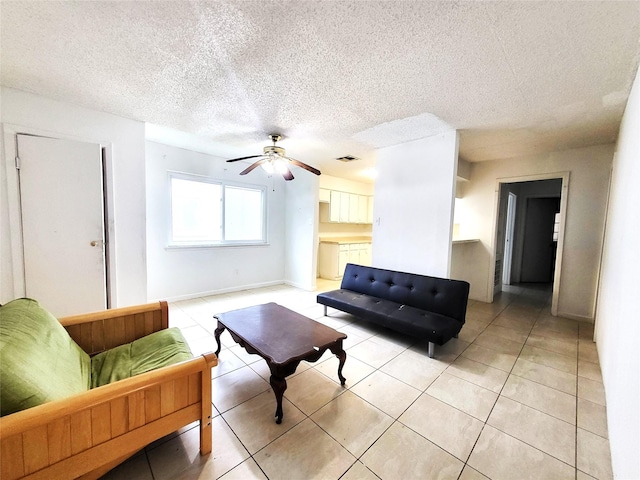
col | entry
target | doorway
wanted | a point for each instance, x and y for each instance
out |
(535, 226)
(62, 213)
(539, 247)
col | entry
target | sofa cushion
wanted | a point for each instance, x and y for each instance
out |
(156, 350)
(438, 295)
(402, 318)
(39, 361)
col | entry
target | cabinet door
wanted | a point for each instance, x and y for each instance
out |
(328, 261)
(362, 208)
(365, 254)
(354, 253)
(334, 206)
(369, 209)
(353, 208)
(343, 259)
(344, 207)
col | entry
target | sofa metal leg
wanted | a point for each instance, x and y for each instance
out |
(456, 335)
(431, 349)
(325, 310)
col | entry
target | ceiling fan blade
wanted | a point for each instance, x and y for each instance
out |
(254, 165)
(287, 175)
(304, 165)
(243, 158)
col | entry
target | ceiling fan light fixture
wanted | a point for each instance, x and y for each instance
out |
(281, 165)
(268, 167)
(275, 163)
(274, 159)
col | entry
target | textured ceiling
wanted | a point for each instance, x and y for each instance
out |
(337, 77)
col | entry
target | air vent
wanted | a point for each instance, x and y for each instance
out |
(347, 158)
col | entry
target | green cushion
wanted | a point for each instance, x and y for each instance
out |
(39, 361)
(156, 350)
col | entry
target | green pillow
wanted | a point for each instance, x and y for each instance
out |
(156, 350)
(39, 361)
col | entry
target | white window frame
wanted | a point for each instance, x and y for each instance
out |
(223, 184)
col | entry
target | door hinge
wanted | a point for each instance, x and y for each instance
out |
(17, 162)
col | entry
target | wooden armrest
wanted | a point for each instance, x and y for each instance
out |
(94, 430)
(100, 331)
(42, 414)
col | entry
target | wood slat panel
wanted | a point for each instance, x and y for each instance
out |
(130, 328)
(59, 436)
(36, 449)
(109, 334)
(117, 448)
(120, 333)
(85, 337)
(80, 431)
(75, 332)
(148, 323)
(181, 392)
(136, 410)
(97, 337)
(119, 416)
(12, 464)
(139, 324)
(101, 423)
(167, 398)
(194, 388)
(152, 403)
(157, 321)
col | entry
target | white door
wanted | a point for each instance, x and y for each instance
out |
(62, 207)
(508, 239)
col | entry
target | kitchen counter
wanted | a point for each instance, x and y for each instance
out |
(344, 240)
(469, 240)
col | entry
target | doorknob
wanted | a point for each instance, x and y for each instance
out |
(94, 243)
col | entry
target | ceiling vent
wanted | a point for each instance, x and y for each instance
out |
(347, 158)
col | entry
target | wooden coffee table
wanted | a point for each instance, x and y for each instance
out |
(283, 338)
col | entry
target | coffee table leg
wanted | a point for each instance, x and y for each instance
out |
(338, 351)
(217, 332)
(279, 385)
(342, 356)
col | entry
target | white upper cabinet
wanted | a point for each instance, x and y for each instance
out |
(347, 207)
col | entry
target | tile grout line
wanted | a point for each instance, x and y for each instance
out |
(497, 398)
(423, 391)
(575, 467)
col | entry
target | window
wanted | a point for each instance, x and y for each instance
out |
(205, 211)
(556, 226)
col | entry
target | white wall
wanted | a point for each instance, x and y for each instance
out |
(617, 319)
(586, 203)
(413, 207)
(344, 185)
(301, 243)
(175, 273)
(124, 138)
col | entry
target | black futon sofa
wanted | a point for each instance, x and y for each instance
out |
(426, 307)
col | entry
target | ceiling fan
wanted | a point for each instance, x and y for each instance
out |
(273, 159)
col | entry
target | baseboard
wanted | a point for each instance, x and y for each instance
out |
(221, 291)
(579, 318)
(308, 287)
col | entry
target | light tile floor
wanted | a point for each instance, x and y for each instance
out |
(518, 395)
